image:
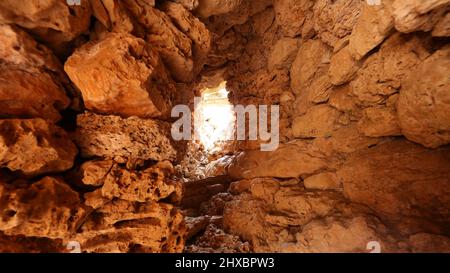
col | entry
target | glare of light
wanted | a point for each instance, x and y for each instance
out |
(217, 119)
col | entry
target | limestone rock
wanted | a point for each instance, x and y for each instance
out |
(47, 208)
(54, 21)
(215, 240)
(342, 67)
(132, 138)
(33, 147)
(321, 181)
(400, 180)
(417, 15)
(239, 15)
(334, 20)
(291, 15)
(28, 94)
(150, 184)
(94, 172)
(172, 44)
(113, 15)
(424, 102)
(289, 160)
(114, 181)
(279, 216)
(312, 56)
(121, 75)
(431, 243)
(383, 73)
(207, 8)
(192, 28)
(442, 28)
(373, 26)
(379, 121)
(188, 4)
(32, 80)
(283, 54)
(319, 121)
(122, 226)
(341, 235)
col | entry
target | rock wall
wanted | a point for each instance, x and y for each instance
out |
(364, 97)
(86, 153)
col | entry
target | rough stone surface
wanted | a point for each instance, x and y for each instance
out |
(362, 89)
(379, 121)
(424, 102)
(375, 176)
(53, 21)
(122, 226)
(318, 121)
(150, 184)
(48, 208)
(283, 54)
(121, 75)
(373, 26)
(132, 138)
(34, 147)
(322, 181)
(289, 160)
(32, 80)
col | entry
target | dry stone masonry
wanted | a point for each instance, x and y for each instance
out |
(86, 153)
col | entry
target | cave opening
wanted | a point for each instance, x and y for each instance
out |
(215, 118)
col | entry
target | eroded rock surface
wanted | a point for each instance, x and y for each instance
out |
(364, 126)
(131, 138)
(33, 147)
(121, 75)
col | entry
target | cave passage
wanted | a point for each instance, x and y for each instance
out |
(216, 118)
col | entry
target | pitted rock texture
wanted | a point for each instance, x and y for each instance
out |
(131, 138)
(33, 147)
(364, 126)
(122, 226)
(149, 184)
(48, 208)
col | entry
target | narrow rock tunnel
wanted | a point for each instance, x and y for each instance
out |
(353, 95)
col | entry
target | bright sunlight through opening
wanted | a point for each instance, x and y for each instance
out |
(217, 117)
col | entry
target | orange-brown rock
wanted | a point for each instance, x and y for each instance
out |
(320, 120)
(401, 181)
(121, 75)
(31, 78)
(47, 208)
(283, 54)
(312, 58)
(34, 147)
(124, 139)
(207, 8)
(174, 42)
(291, 15)
(383, 73)
(417, 15)
(122, 226)
(53, 21)
(334, 21)
(149, 184)
(287, 218)
(374, 24)
(379, 121)
(424, 102)
(192, 28)
(289, 160)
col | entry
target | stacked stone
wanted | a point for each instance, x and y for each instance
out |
(119, 195)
